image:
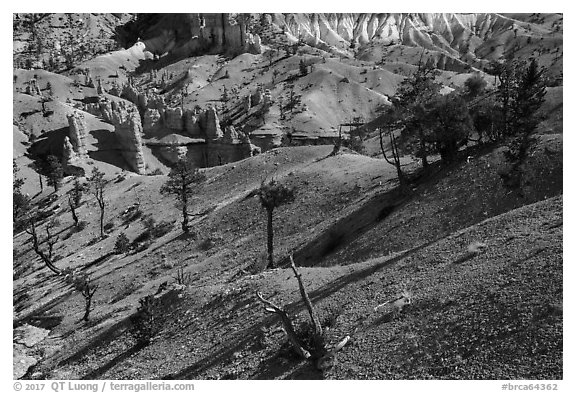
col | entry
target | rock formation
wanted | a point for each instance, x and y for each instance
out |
(128, 128)
(25, 354)
(211, 124)
(173, 119)
(152, 121)
(72, 164)
(100, 88)
(191, 124)
(32, 88)
(230, 136)
(77, 131)
(88, 81)
(69, 156)
(247, 103)
(193, 34)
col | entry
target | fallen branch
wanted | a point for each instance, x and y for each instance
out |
(288, 328)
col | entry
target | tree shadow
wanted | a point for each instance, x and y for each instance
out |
(49, 143)
(251, 333)
(102, 339)
(107, 149)
(148, 65)
(98, 260)
(113, 362)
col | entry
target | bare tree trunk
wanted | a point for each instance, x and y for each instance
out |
(271, 307)
(73, 210)
(395, 157)
(423, 150)
(184, 196)
(306, 298)
(102, 221)
(270, 240)
(47, 259)
(87, 308)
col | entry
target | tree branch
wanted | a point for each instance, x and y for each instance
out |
(304, 294)
(271, 307)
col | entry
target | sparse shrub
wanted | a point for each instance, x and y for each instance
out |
(122, 244)
(355, 143)
(156, 230)
(81, 225)
(93, 241)
(329, 315)
(305, 332)
(183, 278)
(152, 231)
(148, 320)
(206, 244)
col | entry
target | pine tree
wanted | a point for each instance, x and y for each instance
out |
(272, 195)
(74, 199)
(97, 184)
(414, 93)
(303, 68)
(20, 202)
(55, 172)
(448, 125)
(182, 181)
(529, 97)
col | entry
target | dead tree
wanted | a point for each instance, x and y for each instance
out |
(318, 332)
(288, 327)
(324, 358)
(45, 255)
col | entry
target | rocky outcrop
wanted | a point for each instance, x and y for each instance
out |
(247, 103)
(24, 353)
(152, 121)
(192, 124)
(72, 164)
(211, 125)
(69, 156)
(99, 88)
(173, 119)
(128, 129)
(88, 81)
(230, 136)
(32, 88)
(130, 93)
(77, 132)
(192, 34)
